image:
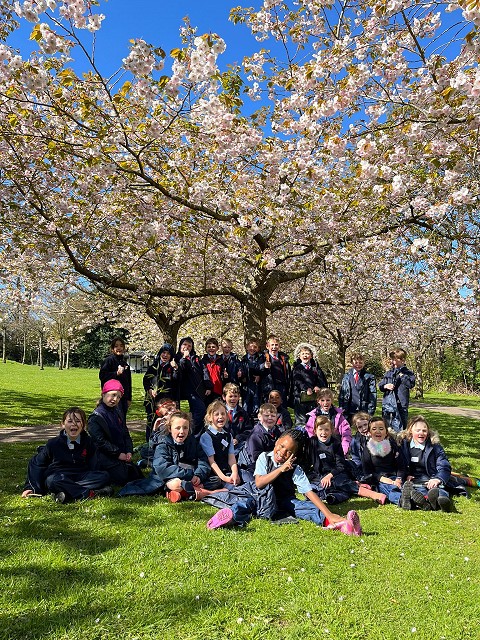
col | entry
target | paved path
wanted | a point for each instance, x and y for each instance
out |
(40, 433)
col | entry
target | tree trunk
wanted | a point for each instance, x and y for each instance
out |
(67, 355)
(418, 377)
(24, 348)
(254, 319)
(60, 354)
(40, 350)
(4, 345)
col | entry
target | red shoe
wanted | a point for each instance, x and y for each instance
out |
(174, 496)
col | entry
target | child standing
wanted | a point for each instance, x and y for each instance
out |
(239, 424)
(308, 379)
(325, 408)
(212, 361)
(179, 462)
(159, 382)
(396, 385)
(115, 367)
(193, 381)
(67, 465)
(232, 368)
(276, 372)
(251, 366)
(108, 430)
(429, 470)
(358, 391)
(277, 479)
(217, 444)
(383, 461)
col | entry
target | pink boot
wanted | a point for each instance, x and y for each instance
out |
(221, 519)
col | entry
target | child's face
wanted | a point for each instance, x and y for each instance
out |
(226, 348)
(211, 348)
(273, 345)
(252, 348)
(219, 418)
(232, 398)
(111, 398)
(362, 427)
(275, 398)
(324, 432)
(186, 347)
(305, 355)
(73, 425)
(118, 348)
(165, 356)
(378, 431)
(358, 364)
(420, 432)
(325, 404)
(284, 449)
(397, 362)
(268, 419)
(179, 429)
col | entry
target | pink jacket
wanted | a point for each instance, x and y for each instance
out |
(340, 425)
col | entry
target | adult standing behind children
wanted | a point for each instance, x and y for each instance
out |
(194, 383)
(358, 391)
(115, 367)
(396, 385)
(276, 371)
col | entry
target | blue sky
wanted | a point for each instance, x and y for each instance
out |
(157, 22)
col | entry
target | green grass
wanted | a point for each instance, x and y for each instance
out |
(36, 397)
(451, 400)
(141, 568)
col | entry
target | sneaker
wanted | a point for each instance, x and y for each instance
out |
(174, 496)
(420, 500)
(432, 497)
(221, 519)
(354, 519)
(405, 498)
(445, 503)
(104, 492)
(59, 497)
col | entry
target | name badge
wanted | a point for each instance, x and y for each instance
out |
(415, 459)
(322, 456)
(224, 442)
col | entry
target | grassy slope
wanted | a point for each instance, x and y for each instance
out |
(142, 568)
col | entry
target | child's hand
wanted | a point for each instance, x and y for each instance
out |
(267, 364)
(433, 483)
(26, 493)
(309, 392)
(229, 479)
(196, 481)
(235, 479)
(326, 481)
(389, 386)
(120, 370)
(256, 379)
(235, 441)
(288, 464)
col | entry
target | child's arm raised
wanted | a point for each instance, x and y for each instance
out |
(261, 481)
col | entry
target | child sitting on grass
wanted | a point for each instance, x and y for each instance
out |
(262, 438)
(429, 471)
(66, 466)
(179, 462)
(217, 444)
(164, 407)
(277, 479)
(325, 408)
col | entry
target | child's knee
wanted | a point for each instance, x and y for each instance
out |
(175, 484)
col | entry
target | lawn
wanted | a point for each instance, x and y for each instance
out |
(141, 568)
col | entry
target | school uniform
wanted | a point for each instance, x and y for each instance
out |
(193, 381)
(108, 371)
(219, 444)
(358, 392)
(160, 377)
(325, 458)
(284, 419)
(231, 365)
(183, 461)
(278, 376)
(259, 441)
(67, 465)
(251, 390)
(428, 461)
(340, 424)
(354, 464)
(389, 464)
(305, 376)
(214, 367)
(239, 425)
(395, 403)
(109, 432)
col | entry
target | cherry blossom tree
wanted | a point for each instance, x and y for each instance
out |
(161, 184)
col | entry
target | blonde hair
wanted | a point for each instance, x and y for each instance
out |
(212, 407)
(267, 407)
(231, 386)
(357, 417)
(325, 393)
(182, 415)
(321, 421)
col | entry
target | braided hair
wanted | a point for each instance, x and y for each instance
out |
(302, 442)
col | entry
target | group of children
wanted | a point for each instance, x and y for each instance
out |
(250, 467)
